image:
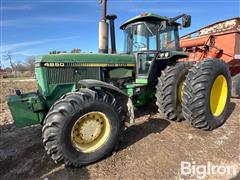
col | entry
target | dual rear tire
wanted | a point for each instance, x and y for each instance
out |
(207, 92)
(205, 96)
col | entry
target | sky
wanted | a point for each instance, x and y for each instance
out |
(35, 27)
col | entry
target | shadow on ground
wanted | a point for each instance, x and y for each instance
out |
(149, 109)
(232, 106)
(137, 132)
(143, 127)
(237, 177)
(22, 156)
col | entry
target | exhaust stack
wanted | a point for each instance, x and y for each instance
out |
(103, 30)
(111, 19)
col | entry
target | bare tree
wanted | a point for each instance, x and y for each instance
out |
(20, 67)
(8, 57)
(31, 63)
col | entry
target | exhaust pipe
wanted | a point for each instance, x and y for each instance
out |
(111, 19)
(103, 30)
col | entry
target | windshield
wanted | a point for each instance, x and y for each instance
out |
(146, 36)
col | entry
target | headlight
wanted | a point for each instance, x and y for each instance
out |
(166, 54)
(162, 55)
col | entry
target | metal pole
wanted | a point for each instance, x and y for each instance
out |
(103, 30)
(104, 10)
(111, 18)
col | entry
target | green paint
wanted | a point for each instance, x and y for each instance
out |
(57, 91)
(141, 81)
(145, 98)
(129, 86)
(40, 74)
(130, 91)
(120, 73)
(178, 54)
(53, 82)
(26, 109)
(88, 58)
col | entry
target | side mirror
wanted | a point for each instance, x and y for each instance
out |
(186, 21)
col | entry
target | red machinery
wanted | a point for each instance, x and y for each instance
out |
(218, 40)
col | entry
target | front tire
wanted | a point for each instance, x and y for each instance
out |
(82, 127)
(207, 92)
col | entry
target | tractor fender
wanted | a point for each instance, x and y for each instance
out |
(178, 55)
(119, 94)
(90, 83)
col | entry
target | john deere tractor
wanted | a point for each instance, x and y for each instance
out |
(85, 101)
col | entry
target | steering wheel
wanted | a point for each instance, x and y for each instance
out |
(139, 45)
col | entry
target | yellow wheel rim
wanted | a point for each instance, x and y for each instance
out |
(218, 97)
(180, 92)
(90, 132)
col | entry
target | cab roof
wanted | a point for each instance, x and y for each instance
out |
(147, 17)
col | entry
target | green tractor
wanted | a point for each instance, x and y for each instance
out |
(85, 101)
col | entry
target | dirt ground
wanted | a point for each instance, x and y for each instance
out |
(152, 149)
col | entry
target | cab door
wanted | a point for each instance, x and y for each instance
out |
(144, 63)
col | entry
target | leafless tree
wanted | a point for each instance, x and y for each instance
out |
(31, 63)
(20, 67)
(8, 57)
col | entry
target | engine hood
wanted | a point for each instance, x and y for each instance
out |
(89, 60)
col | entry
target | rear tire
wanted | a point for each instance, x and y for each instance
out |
(168, 96)
(82, 127)
(207, 92)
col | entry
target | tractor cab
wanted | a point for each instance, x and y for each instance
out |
(150, 38)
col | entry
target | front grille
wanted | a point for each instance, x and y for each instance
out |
(60, 75)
